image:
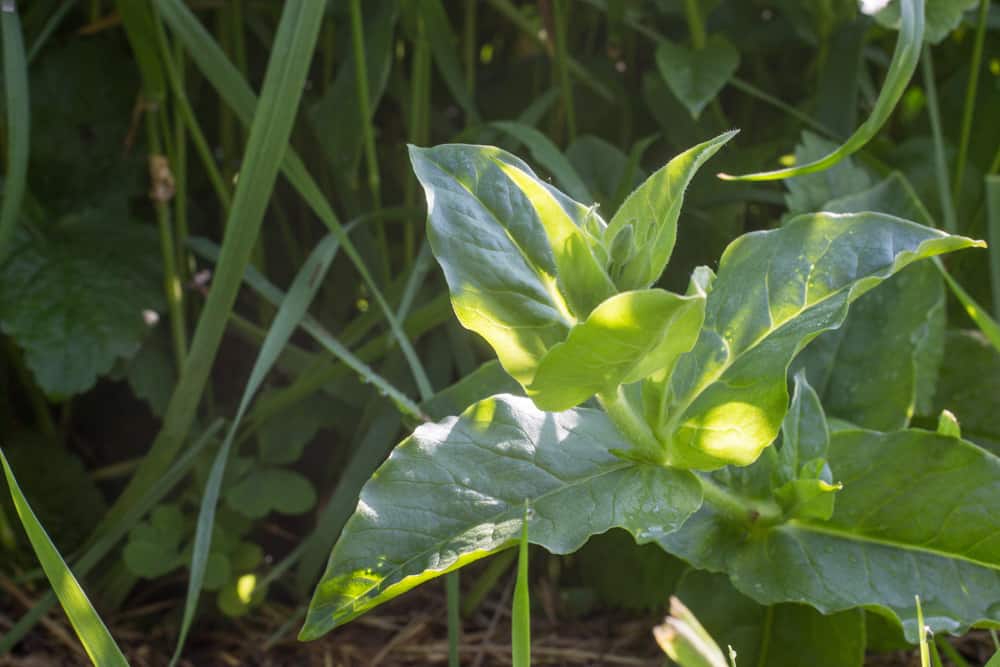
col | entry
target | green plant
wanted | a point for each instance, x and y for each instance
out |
(691, 395)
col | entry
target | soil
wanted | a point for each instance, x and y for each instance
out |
(407, 632)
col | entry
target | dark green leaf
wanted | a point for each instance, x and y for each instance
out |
(75, 301)
(785, 635)
(454, 492)
(969, 386)
(696, 76)
(913, 518)
(267, 490)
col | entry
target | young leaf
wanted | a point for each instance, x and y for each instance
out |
(652, 211)
(520, 266)
(901, 69)
(776, 290)
(454, 492)
(912, 518)
(93, 634)
(625, 339)
(696, 76)
(805, 435)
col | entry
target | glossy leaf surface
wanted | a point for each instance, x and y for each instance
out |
(454, 492)
(520, 265)
(652, 211)
(626, 338)
(915, 516)
(776, 290)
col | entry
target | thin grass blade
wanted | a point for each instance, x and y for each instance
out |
(15, 71)
(236, 92)
(901, 68)
(284, 82)
(976, 313)
(89, 627)
(115, 532)
(290, 313)
(521, 612)
(993, 235)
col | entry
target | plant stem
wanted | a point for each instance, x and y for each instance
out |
(739, 508)
(469, 46)
(992, 185)
(632, 425)
(695, 24)
(941, 170)
(453, 592)
(970, 98)
(562, 67)
(367, 130)
(172, 282)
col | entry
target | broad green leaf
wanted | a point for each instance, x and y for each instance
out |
(74, 300)
(625, 339)
(93, 634)
(885, 357)
(777, 290)
(893, 195)
(969, 387)
(994, 661)
(514, 251)
(901, 69)
(454, 492)
(943, 16)
(811, 192)
(785, 635)
(652, 211)
(644, 575)
(881, 365)
(913, 518)
(696, 76)
(267, 490)
(547, 154)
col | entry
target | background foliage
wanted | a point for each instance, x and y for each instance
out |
(181, 214)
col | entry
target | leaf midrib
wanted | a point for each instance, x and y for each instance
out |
(848, 535)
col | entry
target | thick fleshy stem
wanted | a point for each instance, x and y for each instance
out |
(739, 508)
(632, 425)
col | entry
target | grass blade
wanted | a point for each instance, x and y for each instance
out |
(291, 311)
(976, 313)
(236, 92)
(15, 71)
(970, 97)
(101, 547)
(901, 69)
(264, 288)
(89, 627)
(940, 160)
(520, 639)
(272, 124)
(993, 235)
(925, 659)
